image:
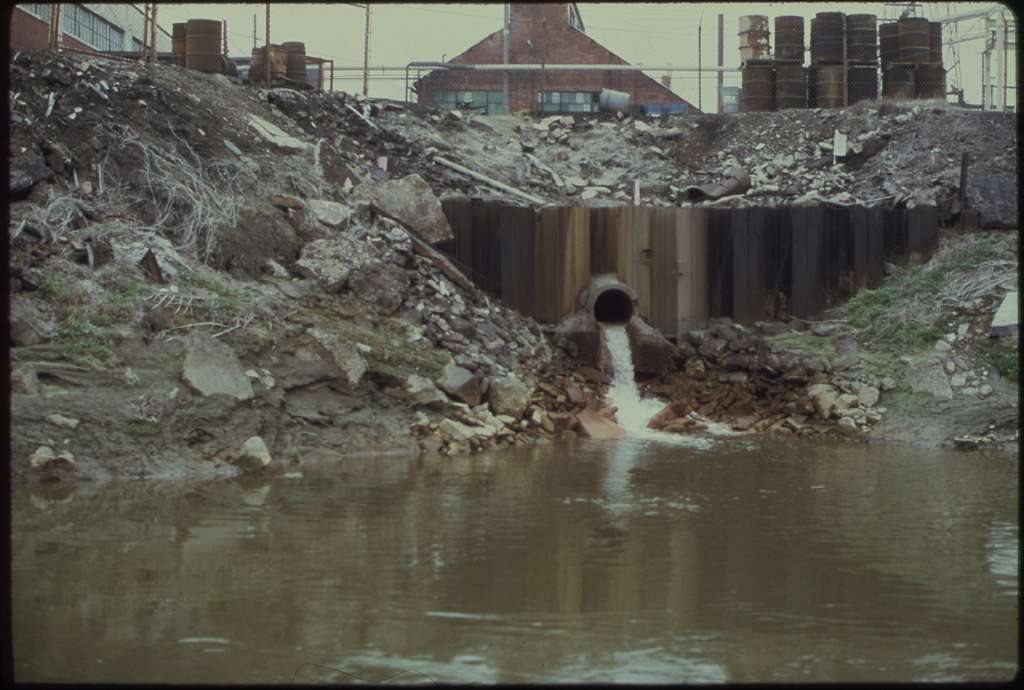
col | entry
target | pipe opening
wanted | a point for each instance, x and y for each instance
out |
(613, 306)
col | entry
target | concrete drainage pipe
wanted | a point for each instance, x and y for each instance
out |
(609, 300)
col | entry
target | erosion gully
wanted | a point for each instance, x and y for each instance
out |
(654, 558)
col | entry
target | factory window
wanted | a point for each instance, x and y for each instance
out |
(90, 28)
(482, 102)
(37, 9)
(136, 45)
(567, 101)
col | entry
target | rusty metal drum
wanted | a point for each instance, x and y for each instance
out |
(861, 84)
(758, 88)
(914, 40)
(898, 82)
(295, 61)
(754, 37)
(889, 43)
(202, 45)
(790, 87)
(827, 37)
(789, 38)
(930, 82)
(278, 64)
(829, 89)
(178, 43)
(862, 38)
(934, 43)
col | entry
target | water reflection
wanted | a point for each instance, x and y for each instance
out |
(614, 562)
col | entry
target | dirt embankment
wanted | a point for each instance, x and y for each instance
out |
(208, 278)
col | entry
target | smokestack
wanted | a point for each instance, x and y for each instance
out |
(666, 81)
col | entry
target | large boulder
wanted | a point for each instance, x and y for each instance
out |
(331, 261)
(508, 395)
(927, 374)
(345, 355)
(461, 383)
(595, 426)
(381, 284)
(275, 136)
(262, 233)
(254, 454)
(995, 198)
(411, 202)
(824, 398)
(29, 325)
(26, 172)
(330, 213)
(421, 391)
(211, 368)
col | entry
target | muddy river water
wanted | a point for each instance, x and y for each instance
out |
(627, 561)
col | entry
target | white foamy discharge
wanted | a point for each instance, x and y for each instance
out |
(633, 412)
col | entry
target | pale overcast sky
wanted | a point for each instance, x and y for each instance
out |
(647, 33)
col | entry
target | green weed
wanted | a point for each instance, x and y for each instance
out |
(1001, 357)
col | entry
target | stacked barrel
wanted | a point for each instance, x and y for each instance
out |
(845, 54)
(790, 73)
(757, 67)
(844, 58)
(912, 59)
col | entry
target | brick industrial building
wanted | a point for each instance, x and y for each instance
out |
(543, 33)
(91, 26)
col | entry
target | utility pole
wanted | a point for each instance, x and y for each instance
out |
(266, 52)
(152, 29)
(506, 32)
(721, 59)
(55, 26)
(254, 31)
(366, 54)
(224, 33)
(700, 81)
(145, 31)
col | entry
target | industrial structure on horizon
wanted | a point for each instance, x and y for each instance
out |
(525, 60)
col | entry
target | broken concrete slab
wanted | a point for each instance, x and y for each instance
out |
(411, 202)
(597, 427)
(995, 198)
(330, 213)
(927, 374)
(212, 368)
(331, 261)
(343, 354)
(461, 383)
(1007, 318)
(276, 136)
